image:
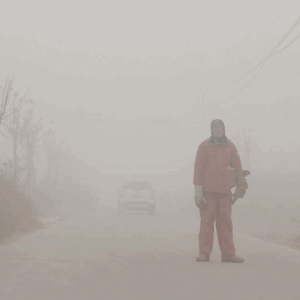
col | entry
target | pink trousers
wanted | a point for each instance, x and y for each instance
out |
(217, 208)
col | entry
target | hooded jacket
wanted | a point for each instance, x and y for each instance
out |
(212, 166)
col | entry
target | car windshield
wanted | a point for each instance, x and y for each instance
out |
(137, 185)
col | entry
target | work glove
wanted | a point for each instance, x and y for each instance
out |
(199, 196)
(241, 185)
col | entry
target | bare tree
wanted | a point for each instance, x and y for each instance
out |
(31, 133)
(11, 107)
(10, 101)
(13, 128)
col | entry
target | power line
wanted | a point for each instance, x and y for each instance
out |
(288, 45)
(259, 66)
(273, 51)
(243, 87)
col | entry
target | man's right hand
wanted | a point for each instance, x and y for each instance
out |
(199, 196)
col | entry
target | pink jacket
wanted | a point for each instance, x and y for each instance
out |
(212, 167)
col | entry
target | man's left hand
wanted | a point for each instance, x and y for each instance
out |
(239, 193)
(233, 199)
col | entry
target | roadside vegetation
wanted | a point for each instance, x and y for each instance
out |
(38, 173)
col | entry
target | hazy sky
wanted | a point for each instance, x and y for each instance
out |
(138, 27)
(55, 47)
(133, 59)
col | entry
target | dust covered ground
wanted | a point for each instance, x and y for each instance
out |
(106, 255)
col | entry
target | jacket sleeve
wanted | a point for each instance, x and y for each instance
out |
(200, 164)
(235, 160)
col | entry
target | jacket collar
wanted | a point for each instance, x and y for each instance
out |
(223, 141)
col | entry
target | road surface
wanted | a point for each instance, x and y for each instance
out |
(105, 255)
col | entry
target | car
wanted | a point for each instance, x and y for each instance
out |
(137, 195)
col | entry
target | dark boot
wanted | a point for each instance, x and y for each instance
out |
(202, 258)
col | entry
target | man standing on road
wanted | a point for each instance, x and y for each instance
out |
(215, 157)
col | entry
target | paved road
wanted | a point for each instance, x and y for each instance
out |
(136, 256)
